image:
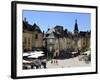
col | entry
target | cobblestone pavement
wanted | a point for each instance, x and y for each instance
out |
(72, 62)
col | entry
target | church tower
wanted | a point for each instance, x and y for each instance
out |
(76, 27)
(76, 38)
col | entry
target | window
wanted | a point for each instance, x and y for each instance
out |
(29, 43)
(83, 43)
(28, 40)
(36, 36)
(25, 40)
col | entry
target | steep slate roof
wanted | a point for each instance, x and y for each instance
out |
(59, 32)
(36, 28)
(50, 31)
(58, 27)
(68, 34)
(84, 33)
(29, 27)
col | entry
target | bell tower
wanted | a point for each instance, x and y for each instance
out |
(76, 32)
(76, 27)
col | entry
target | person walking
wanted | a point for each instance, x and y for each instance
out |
(44, 64)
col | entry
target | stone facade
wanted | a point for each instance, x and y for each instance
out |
(27, 40)
(55, 40)
(64, 40)
(32, 37)
(37, 39)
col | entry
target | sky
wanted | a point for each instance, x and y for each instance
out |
(49, 19)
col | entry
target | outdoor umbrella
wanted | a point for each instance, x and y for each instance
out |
(37, 52)
(26, 54)
(31, 53)
(35, 55)
(25, 61)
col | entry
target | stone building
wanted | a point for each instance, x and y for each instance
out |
(84, 40)
(59, 40)
(55, 40)
(27, 41)
(32, 37)
(81, 38)
(37, 37)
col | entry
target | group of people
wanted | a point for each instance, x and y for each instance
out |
(55, 61)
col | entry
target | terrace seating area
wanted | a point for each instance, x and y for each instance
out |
(36, 64)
